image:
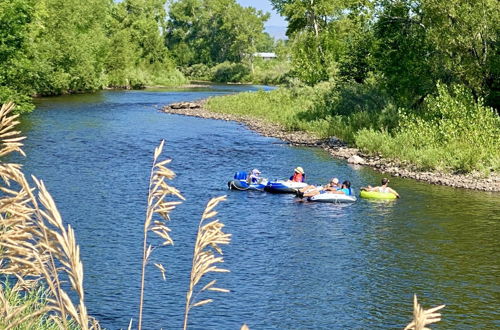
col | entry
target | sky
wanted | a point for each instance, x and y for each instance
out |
(265, 5)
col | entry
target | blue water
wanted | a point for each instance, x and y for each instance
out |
(293, 265)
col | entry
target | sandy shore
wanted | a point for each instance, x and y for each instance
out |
(339, 149)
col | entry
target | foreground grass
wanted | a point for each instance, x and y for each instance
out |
(450, 132)
(21, 306)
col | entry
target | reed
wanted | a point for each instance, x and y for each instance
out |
(157, 215)
(35, 244)
(422, 317)
(208, 240)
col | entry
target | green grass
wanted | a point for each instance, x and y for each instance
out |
(282, 106)
(27, 302)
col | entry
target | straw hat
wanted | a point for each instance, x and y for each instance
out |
(299, 170)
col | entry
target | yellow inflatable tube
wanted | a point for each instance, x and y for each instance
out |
(376, 195)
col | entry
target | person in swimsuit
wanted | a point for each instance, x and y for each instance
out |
(254, 176)
(344, 189)
(334, 183)
(383, 188)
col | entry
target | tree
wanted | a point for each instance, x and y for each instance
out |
(321, 32)
(466, 38)
(401, 52)
(213, 31)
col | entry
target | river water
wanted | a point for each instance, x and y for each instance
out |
(293, 265)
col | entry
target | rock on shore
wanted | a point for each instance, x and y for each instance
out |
(339, 149)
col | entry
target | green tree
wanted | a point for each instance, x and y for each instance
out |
(466, 37)
(213, 31)
(16, 20)
(402, 54)
(321, 33)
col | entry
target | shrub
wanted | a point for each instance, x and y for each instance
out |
(272, 72)
(23, 101)
(197, 71)
(230, 72)
(452, 132)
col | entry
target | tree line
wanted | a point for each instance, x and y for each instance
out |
(408, 46)
(49, 47)
(402, 47)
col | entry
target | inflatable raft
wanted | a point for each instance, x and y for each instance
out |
(241, 182)
(244, 185)
(284, 186)
(332, 198)
(376, 195)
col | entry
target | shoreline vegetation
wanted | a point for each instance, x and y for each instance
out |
(211, 109)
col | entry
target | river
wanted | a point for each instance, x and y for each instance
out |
(293, 265)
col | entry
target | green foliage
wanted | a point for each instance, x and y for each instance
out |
(212, 32)
(230, 72)
(50, 47)
(324, 36)
(270, 72)
(137, 56)
(198, 71)
(30, 301)
(22, 101)
(452, 133)
(401, 53)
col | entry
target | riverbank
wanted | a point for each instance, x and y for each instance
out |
(339, 149)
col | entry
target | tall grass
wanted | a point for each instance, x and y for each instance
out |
(452, 132)
(157, 205)
(35, 244)
(25, 308)
(208, 240)
(421, 317)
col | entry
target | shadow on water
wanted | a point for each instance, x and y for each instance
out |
(293, 265)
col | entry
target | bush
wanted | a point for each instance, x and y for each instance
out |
(453, 132)
(197, 71)
(23, 102)
(270, 72)
(230, 72)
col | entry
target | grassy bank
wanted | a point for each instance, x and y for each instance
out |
(274, 72)
(449, 131)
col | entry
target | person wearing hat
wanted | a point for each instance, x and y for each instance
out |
(383, 188)
(254, 176)
(298, 175)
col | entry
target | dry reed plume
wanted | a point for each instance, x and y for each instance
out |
(157, 205)
(422, 317)
(208, 239)
(34, 243)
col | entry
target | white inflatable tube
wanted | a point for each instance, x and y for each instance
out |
(332, 198)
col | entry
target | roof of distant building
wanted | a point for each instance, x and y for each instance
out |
(268, 55)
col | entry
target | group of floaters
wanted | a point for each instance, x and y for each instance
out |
(333, 191)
